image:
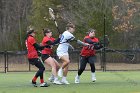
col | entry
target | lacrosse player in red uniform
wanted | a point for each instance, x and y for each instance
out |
(87, 55)
(32, 48)
(47, 53)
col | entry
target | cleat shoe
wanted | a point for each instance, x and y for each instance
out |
(51, 79)
(65, 82)
(57, 82)
(93, 79)
(44, 85)
(77, 79)
(60, 72)
(34, 83)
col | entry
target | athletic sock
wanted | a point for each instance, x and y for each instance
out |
(41, 80)
(61, 68)
(93, 74)
(55, 78)
(77, 75)
(63, 78)
(34, 79)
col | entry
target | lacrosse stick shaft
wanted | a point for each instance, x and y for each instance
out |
(128, 56)
(51, 12)
(115, 50)
(57, 27)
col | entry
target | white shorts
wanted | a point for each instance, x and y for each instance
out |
(60, 54)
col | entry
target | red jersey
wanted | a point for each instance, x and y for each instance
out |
(32, 53)
(89, 50)
(48, 51)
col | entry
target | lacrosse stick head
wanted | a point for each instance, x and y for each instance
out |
(51, 12)
(130, 57)
(105, 40)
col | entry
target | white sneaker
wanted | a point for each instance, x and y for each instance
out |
(60, 72)
(77, 79)
(51, 79)
(57, 82)
(44, 85)
(65, 82)
(93, 78)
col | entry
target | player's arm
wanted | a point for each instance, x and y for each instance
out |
(97, 45)
(87, 40)
(38, 47)
(53, 43)
(56, 41)
(70, 39)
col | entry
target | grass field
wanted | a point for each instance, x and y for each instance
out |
(107, 82)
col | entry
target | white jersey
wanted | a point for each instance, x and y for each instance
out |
(63, 46)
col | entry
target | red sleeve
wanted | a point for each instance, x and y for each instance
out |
(53, 39)
(45, 39)
(85, 38)
(31, 40)
(96, 40)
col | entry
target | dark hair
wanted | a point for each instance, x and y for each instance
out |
(91, 30)
(46, 30)
(70, 25)
(30, 31)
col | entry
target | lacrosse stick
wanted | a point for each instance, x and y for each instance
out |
(105, 41)
(51, 12)
(130, 57)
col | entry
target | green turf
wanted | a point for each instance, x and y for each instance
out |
(107, 82)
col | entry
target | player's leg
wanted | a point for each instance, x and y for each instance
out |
(51, 78)
(57, 65)
(44, 58)
(65, 61)
(57, 68)
(92, 65)
(65, 72)
(33, 62)
(50, 61)
(64, 68)
(83, 62)
(40, 72)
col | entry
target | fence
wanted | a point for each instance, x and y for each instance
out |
(11, 61)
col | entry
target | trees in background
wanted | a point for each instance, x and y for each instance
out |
(84, 14)
(126, 23)
(13, 21)
(121, 20)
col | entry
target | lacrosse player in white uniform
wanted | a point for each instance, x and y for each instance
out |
(62, 51)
